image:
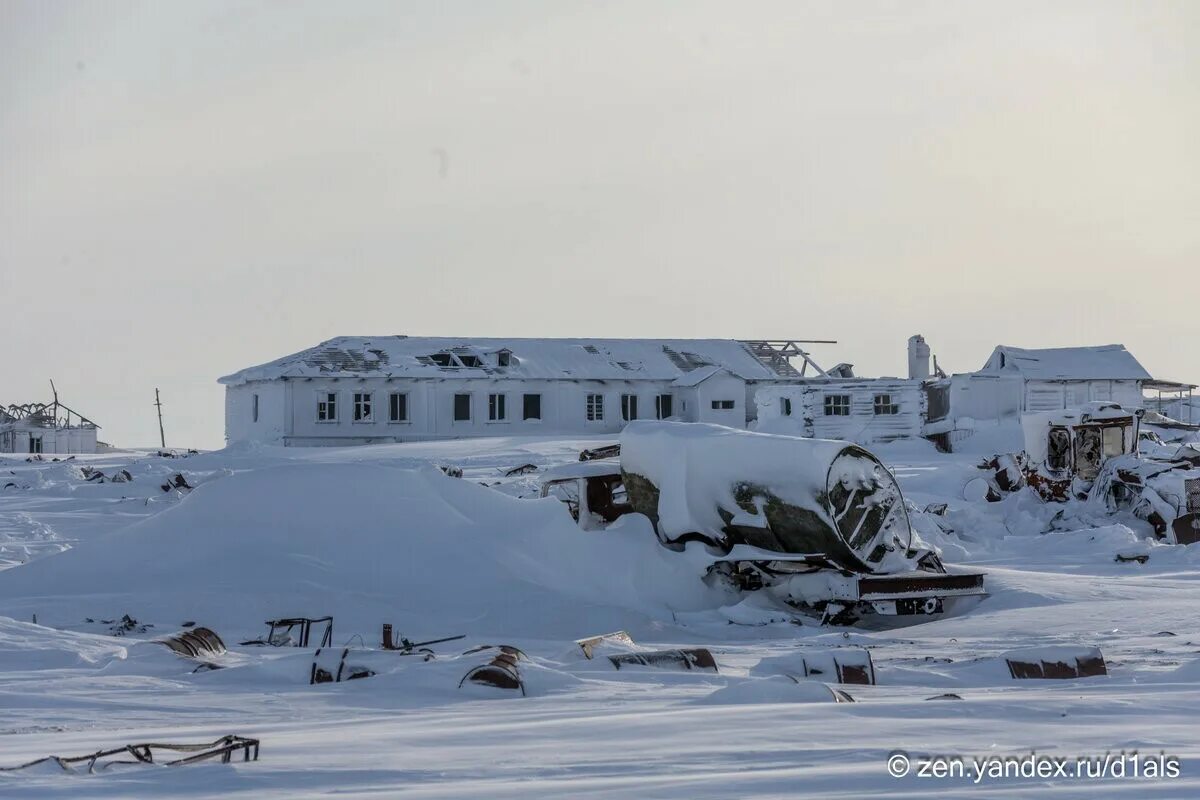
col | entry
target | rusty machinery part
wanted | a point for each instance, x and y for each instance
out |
(692, 658)
(502, 672)
(222, 748)
(851, 665)
(332, 668)
(852, 512)
(588, 645)
(280, 634)
(1186, 528)
(1128, 558)
(194, 643)
(1083, 662)
(597, 453)
(505, 649)
(403, 645)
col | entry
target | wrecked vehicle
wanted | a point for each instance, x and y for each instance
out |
(1098, 454)
(819, 526)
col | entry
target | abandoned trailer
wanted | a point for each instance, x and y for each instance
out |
(36, 428)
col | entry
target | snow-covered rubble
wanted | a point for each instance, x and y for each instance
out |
(380, 534)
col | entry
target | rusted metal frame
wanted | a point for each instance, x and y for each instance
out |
(144, 753)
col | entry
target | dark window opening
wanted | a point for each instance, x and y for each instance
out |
(398, 407)
(442, 359)
(497, 411)
(722, 405)
(469, 360)
(629, 407)
(884, 405)
(254, 409)
(462, 408)
(837, 405)
(362, 407)
(532, 406)
(327, 407)
(662, 406)
(785, 406)
(503, 358)
(595, 407)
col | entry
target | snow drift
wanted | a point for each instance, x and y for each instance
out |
(368, 544)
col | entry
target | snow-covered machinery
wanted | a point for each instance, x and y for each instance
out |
(1098, 454)
(820, 526)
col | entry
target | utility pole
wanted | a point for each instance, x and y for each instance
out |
(162, 437)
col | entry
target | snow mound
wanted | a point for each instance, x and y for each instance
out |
(367, 543)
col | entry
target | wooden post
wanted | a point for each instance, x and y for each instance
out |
(162, 437)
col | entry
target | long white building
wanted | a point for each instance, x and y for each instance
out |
(363, 390)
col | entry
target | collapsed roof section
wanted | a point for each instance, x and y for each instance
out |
(43, 415)
(546, 359)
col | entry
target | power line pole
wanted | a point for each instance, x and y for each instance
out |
(162, 437)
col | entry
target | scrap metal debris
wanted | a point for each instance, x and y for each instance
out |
(406, 647)
(524, 469)
(195, 643)
(177, 481)
(1056, 662)
(589, 645)
(501, 672)
(222, 748)
(596, 453)
(281, 632)
(849, 665)
(686, 659)
(329, 667)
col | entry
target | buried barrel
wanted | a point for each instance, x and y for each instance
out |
(784, 494)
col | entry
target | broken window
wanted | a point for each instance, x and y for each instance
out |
(503, 358)
(837, 405)
(532, 406)
(595, 407)
(442, 359)
(327, 407)
(362, 407)
(497, 412)
(1114, 441)
(884, 405)
(1058, 450)
(468, 360)
(722, 405)
(785, 406)
(1088, 452)
(35, 444)
(254, 408)
(629, 407)
(462, 408)
(662, 406)
(398, 407)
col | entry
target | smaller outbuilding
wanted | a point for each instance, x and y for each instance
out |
(50, 428)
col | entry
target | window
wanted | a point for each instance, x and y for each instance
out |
(662, 406)
(362, 407)
(35, 444)
(785, 406)
(503, 358)
(884, 405)
(629, 407)
(532, 406)
(497, 411)
(462, 408)
(595, 407)
(837, 405)
(327, 407)
(722, 405)
(398, 407)
(254, 408)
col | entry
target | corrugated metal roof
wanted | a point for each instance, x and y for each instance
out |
(444, 357)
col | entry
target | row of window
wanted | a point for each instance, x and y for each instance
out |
(363, 407)
(838, 405)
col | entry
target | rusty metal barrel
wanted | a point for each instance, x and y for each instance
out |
(783, 494)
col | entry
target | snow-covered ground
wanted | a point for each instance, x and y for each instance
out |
(379, 534)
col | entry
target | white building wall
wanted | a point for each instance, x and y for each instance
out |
(862, 424)
(288, 409)
(720, 389)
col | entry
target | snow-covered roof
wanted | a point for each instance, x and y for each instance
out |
(696, 377)
(1103, 362)
(444, 357)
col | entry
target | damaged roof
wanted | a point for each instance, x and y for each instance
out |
(547, 359)
(1102, 362)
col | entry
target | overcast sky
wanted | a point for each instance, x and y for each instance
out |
(187, 189)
